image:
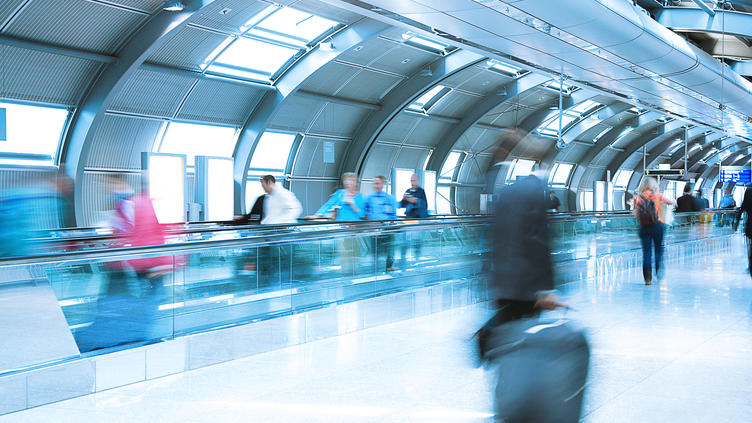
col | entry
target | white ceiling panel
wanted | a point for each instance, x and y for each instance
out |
(368, 51)
(455, 104)
(369, 86)
(60, 23)
(228, 15)
(330, 78)
(404, 60)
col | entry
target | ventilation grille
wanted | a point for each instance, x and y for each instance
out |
(152, 93)
(220, 102)
(188, 48)
(119, 141)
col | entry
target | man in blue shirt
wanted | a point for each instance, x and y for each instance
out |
(382, 206)
(727, 201)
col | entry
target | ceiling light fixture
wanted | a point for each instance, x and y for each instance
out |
(173, 6)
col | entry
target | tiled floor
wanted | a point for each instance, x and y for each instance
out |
(678, 351)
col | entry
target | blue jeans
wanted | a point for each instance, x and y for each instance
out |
(652, 238)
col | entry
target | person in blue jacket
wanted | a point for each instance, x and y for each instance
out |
(382, 206)
(348, 205)
(348, 202)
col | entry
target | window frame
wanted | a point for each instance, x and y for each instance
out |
(190, 168)
(54, 157)
(570, 117)
(555, 169)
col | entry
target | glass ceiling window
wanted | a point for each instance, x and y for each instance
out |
(550, 125)
(621, 180)
(521, 168)
(675, 146)
(558, 86)
(505, 68)
(425, 43)
(272, 153)
(30, 135)
(560, 174)
(194, 140)
(424, 103)
(270, 42)
(449, 167)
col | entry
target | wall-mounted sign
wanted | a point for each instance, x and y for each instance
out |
(736, 174)
(328, 152)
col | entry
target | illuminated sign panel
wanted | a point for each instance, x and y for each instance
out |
(736, 174)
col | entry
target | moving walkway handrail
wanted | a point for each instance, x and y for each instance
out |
(363, 228)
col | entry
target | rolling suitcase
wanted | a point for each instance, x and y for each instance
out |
(542, 369)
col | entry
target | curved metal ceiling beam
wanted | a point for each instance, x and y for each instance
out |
(396, 101)
(693, 156)
(659, 151)
(586, 124)
(476, 112)
(287, 85)
(710, 173)
(721, 144)
(711, 165)
(686, 19)
(90, 113)
(604, 143)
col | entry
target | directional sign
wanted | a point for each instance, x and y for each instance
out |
(736, 174)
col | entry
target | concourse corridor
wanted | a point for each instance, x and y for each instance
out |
(677, 351)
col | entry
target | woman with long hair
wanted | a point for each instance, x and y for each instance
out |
(647, 210)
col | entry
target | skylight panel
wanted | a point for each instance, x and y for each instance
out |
(723, 155)
(586, 107)
(252, 59)
(293, 24)
(505, 68)
(558, 86)
(695, 147)
(431, 97)
(425, 43)
(32, 134)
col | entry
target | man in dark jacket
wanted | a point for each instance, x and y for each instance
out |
(702, 202)
(687, 203)
(414, 201)
(522, 280)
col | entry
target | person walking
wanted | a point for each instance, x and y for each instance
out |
(702, 202)
(382, 206)
(348, 202)
(727, 201)
(647, 211)
(416, 207)
(553, 204)
(746, 207)
(280, 206)
(686, 203)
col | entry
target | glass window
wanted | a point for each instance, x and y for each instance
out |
(522, 167)
(449, 167)
(586, 200)
(272, 152)
(621, 180)
(425, 42)
(505, 68)
(297, 26)
(698, 184)
(270, 41)
(32, 134)
(427, 100)
(569, 117)
(560, 174)
(443, 203)
(194, 139)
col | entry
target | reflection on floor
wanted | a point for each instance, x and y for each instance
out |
(677, 351)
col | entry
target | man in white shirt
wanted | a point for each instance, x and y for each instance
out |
(280, 206)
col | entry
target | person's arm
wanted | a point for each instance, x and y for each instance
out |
(359, 206)
(668, 200)
(329, 205)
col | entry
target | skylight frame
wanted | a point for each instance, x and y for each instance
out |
(255, 31)
(190, 155)
(426, 43)
(35, 158)
(555, 181)
(428, 99)
(516, 171)
(506, 69)
(569, 118)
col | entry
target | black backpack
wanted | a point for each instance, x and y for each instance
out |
(646, 212)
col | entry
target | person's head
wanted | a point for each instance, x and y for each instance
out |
(687, 189)
(378, 183)
(648, 184)
(414, 180)
(728, 190)
(350, 181)
(551, 195)
(268, 182)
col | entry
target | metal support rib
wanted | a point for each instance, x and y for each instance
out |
(90, 113)
(288, 85)
(396, 101)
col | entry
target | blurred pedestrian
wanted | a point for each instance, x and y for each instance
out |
(702, 202)
(727, 201)
(746, 207)
(647, 210)
(687, 203)
(347, 203)
(280, 206)
(553, 204)
(382, 206)
(414, 201)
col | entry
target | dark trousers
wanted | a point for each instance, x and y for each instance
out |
(509, 310)
(385, 248)
(652, 239)
(749, 255)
